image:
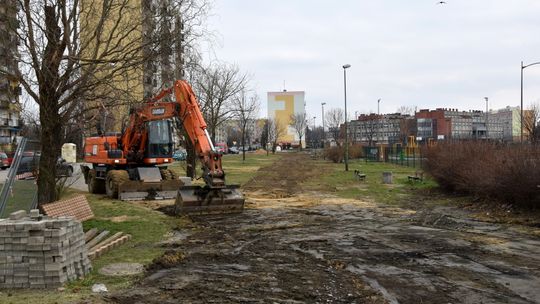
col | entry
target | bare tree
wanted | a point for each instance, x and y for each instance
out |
(406, 110)
(245, 110)
(74, 58)
(334, 118)
(531, 119)
(299, 124)
(216, 86)
(274, 130)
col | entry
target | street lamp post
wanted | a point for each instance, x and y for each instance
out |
(345, 67)
(378, 108)
(323, 134)
(521, 116)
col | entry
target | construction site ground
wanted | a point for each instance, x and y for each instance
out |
(302, 239)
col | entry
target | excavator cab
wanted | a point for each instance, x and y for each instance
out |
(159, 139)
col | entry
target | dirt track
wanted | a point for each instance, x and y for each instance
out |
(294, 246)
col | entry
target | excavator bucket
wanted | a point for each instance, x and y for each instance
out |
(151, 185)
(197, 200)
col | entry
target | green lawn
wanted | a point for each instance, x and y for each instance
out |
(236, 170)
(21, 196)
(344, 184)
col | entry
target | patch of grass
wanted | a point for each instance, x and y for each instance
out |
(236, 170)
(21, 197)
(344, 184)
(240, 172)
(146, 226)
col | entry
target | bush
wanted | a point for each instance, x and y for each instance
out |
(507, 174)
(334, 154)
(356, 151)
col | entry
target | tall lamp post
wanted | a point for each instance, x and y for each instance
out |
(345, 67)
(521, 116)
(323, 134)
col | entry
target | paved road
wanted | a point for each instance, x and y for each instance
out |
(76, 181)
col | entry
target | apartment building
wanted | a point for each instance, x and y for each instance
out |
(10, 90)
(506, 122)
(153, 28)
(380, 129)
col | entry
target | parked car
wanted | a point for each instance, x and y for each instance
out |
(4, 161)
(233, 150)
(222, 147)
(30, 163)
(179, 155)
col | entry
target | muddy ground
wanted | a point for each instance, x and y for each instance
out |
(294, 245)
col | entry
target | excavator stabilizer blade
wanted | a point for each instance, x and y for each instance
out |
(139, 190)
(197, 200)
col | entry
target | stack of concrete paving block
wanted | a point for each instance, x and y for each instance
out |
(41, 252)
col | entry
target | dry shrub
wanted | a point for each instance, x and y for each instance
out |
(356, 151)
(334, 154)
(337, 153)
(504, 173)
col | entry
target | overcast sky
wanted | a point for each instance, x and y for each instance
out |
(414, 53)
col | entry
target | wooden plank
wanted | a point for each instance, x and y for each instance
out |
(107, 241)
(90, 234)
(100, 250)
(98, 238)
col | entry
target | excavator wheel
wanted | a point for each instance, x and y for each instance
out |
(113, 180)
(95, 185)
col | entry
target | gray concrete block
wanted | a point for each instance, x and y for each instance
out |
(41, 252)
(34, 240)
(17, 215)
(34, 213)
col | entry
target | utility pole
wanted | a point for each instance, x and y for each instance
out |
(345, 67)
(521, 118)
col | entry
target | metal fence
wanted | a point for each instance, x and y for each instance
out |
(410, 157)
(19, 188)
(403, 156)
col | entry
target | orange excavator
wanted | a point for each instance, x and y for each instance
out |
(133, 165)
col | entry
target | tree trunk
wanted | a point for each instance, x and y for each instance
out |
(50, 119)
(300, 143)
(51, 143)
(244, 143)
